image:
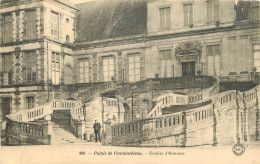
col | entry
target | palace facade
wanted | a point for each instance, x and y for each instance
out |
(50, 49)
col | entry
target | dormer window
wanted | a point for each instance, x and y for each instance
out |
(67, 20)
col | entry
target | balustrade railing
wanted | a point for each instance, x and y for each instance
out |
(227, 97)
(77, 111)
(64, 104)
(94, 91)
(31, 114)
(250, 95)
(41, 111)
(166, 125)
(199, 114)
(166, 101)
(237, 78)
(167, 83)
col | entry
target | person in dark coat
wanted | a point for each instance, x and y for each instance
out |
(97, 128)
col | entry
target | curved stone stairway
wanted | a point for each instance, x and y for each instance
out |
(61, 131)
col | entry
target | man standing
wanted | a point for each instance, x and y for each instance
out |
(97, 128)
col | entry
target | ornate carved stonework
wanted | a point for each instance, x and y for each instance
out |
(188, 51)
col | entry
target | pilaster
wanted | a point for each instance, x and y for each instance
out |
(21, 26)
(14, 26)
(38, 23)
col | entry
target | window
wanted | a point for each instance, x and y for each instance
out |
(29, 71)
(165, 18)
(84, 71)
(7, 68)
(213, 55)
(212, 10)
(188, 14)
(30, 25)
(165, 63)
(55, 68)
(67, 38)
(5, 106)
(55, 25)
(255, 13)
(30, 102)
(7, 28)
(108, 68)
(257, 57)
(67, 20)
(134, 67)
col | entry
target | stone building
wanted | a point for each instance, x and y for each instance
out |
(50, 49)
(36, 50)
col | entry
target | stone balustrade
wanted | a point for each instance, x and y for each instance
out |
(64, 104)
(31, 131)
(42, 111)
(95, 91)
(31, 114)
(231, 116)
(149, 130)
(23, 133)
(167, 84)
(167, 100)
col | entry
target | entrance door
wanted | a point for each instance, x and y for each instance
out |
(188, 68)
(6, 106)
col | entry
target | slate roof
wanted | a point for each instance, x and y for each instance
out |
(107, 19)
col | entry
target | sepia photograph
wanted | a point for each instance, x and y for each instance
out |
(130, 81)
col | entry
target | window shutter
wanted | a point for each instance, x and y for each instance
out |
(168, 17)
(216, 10)
(185, 12)
(209, 11)
(162, 25)
(190, 14)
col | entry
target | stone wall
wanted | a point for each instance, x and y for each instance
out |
(19, 133)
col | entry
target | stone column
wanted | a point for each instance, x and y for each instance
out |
(257, 133)
(107, 137)
(237, 118)
(183, 144)
(215, 140)
(245, 119)
(47, 131)
(81, 127)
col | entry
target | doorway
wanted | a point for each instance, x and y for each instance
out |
(188, 68)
